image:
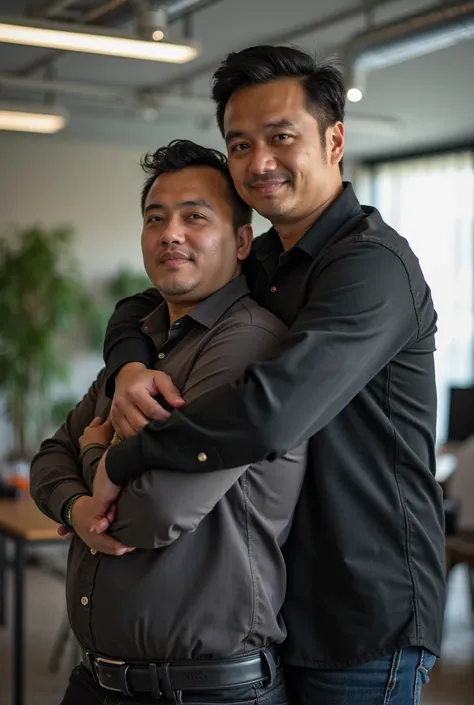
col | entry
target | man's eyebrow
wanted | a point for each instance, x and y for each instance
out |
(274, 125)
(197, 203)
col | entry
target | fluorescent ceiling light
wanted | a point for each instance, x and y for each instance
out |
(20, 118)
(76, 38)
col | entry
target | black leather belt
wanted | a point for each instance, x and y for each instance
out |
(167, 678)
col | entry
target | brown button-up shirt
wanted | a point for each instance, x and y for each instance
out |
(207, 578)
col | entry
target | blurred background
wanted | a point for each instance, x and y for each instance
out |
(73, 126)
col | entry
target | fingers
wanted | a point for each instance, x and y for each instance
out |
(164, 386)
(112, 547)
(134, 406)
(127, 418)
(97, 421)
(101, 525)
(147, 407)
(111, 514)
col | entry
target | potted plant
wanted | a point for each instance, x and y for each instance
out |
(42, 295)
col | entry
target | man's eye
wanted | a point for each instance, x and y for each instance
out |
(195, 216)
(155, 219)
(281, 137)
(239, 147)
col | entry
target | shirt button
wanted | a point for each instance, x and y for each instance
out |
(202, 457)
(146, 329)
(273, 289)
(84, 601)
(161, 356)
(93, 551)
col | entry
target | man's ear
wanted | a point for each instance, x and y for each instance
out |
(336, 143)
(244, 241)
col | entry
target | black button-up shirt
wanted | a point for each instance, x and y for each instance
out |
(355, 376)
(208, 576)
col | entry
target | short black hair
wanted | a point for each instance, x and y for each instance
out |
(181, 154)
(323, 82)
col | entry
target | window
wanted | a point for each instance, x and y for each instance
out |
(430, 201)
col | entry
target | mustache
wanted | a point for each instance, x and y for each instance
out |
(269, 176)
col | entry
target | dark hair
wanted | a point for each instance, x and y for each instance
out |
(181, 154)
(323, 82)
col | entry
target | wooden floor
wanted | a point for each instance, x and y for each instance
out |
(452, 680)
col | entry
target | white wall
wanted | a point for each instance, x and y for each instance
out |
(93, 186)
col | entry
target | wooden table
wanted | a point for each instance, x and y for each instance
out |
(22, 523)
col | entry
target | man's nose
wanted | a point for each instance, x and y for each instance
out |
(262, 160)
(173, 232)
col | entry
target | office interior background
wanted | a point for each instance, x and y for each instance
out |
(409, 67)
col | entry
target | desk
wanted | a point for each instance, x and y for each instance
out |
(22, 523)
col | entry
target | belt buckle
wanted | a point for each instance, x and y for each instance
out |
(111, 662)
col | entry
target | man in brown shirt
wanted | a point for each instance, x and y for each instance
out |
(180, 600)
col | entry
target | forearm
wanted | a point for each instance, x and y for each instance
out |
(124, 340)
(154, 510)
(56, 472)
(55, 477)
(90, 458)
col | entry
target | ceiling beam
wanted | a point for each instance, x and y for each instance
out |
(51, 8)
(287, 36)
(89, 18)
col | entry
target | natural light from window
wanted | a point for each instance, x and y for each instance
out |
(430, 201)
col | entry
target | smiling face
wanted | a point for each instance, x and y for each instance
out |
(276, 156)
(190, 247)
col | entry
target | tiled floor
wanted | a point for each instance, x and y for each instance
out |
(452, 680)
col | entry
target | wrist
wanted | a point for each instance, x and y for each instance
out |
(129, 370)
(68, 510)
(89, 446)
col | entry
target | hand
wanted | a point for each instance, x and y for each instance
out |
(98, 431)
(83, 517)
(105, 493)
(133, 405)
(64, 532)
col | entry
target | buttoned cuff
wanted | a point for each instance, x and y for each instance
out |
(62, 494)
(124, 461)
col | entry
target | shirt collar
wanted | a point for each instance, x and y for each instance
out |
(318, 236)
(207, 313)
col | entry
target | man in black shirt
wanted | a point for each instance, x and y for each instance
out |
(355, 377)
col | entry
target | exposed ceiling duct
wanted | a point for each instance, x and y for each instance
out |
(409, 38)
(53, 8)
(149, 106)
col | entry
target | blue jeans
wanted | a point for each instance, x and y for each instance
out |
(393, 680)
(83, 690)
